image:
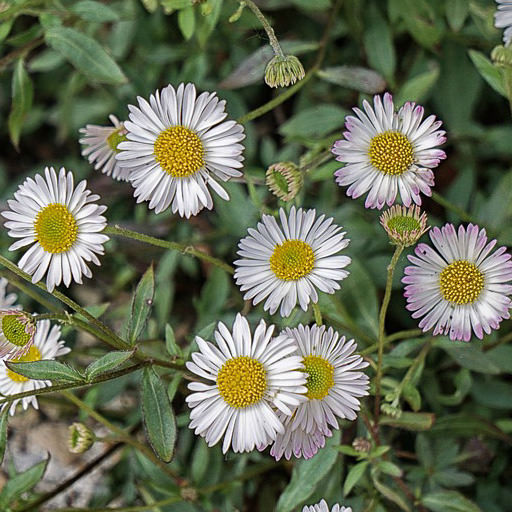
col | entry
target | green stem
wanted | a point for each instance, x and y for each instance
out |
(126, 437)
(463, 214)
(278, 51)
(318, 314)
(402, 335)
(382, 325)
(184, 249)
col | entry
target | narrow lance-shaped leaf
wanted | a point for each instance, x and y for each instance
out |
(22, 96)
(170, 342)
(353, 77)
(141, 304)
(410, 421)
(107, 362)
(86, 54)
(354, 475)
(46, 370)
(4, 418)
(158, 415)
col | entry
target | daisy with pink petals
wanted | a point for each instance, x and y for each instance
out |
(460, 286)
(387, 153)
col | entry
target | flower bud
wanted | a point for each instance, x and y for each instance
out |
(284, 180)
(17, 330)
(361, 444)
(404, 226)
(80, 439)
(502, 56)
(283, 71)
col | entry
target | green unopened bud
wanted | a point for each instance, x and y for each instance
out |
(17, 330)
(361, 444)
(80, 439)
(502, 56)
(284, 180)
(391, 410)
(283, 71)
(404, 226)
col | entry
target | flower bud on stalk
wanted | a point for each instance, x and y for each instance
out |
(283, 71)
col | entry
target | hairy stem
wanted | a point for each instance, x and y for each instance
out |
(267, 26)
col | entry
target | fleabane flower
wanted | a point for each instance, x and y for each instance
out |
(178, 146)
(459, 286)
(503, 19)
(101, 147)
(404, 226)
(252, 376)
(46, 345)
(17, 330)
(61, 223)
(387, 152)
(323, 507)
(7, 299)
(285, 265)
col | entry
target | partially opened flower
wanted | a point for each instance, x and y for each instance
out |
(46, 345)
(459, 286)
(101, 147)
(250, 375)
(323, 507)
(387, 152)
(284, 180)
(404, 226)
(7, 299)
(17, 330)
(178, 147)
(285, 265)
(61, 223)
(503, 19)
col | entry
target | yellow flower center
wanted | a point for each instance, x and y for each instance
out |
(179, 151)
(391, 153)
(320, 376)
(115, 138)
(461, 282)
(15, 331)
(403, 224)
(33, 354)
(292, 260)
(242, 381)
(56, 228)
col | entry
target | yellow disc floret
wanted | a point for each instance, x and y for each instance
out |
(292, 260)
(391, 153)
(242, 381)
(179, 151)
(56, 228)
(461, 282)
(320, 376)
(15, 331)
(33, 354)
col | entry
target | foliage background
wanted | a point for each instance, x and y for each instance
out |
(455, 456)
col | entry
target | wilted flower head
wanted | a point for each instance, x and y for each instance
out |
(17, 330)
(283, 70)
(80, 438)
(404, 226)
(284, 180)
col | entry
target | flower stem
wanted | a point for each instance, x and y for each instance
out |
(382, 324)
(267, 26)
(463, 214)
(174, 246)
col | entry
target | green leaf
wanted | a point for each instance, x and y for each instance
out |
(22, 96)
(106, 363)
(94, 11)
(21, 483)
(489, 72)
(150, 5)
(389, 468)
(448, 501)
(170, 342)
(46, 370)
(354, 475)
(413, 397)
(306, 475)
(4, 419)
(391, 495)
(410, 421)
(200, 460)
(462, 383)
(142, 302)
(187, 22)
(456, 13)
(314, 122)
(85, 54)
(353, 77)
(417, 88)
(158, 415)
(207, 23)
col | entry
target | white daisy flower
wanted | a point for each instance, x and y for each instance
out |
(323, 507)
(286, 265)
(335, 381)
(387, 152)
(7, 299)
(251, 375)
(178, 145)
(17, 330)
(503, 19)
(61, 222)
(101, 146)
(47, 345)
(459, 286)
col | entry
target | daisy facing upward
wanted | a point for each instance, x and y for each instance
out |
(387, 153)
